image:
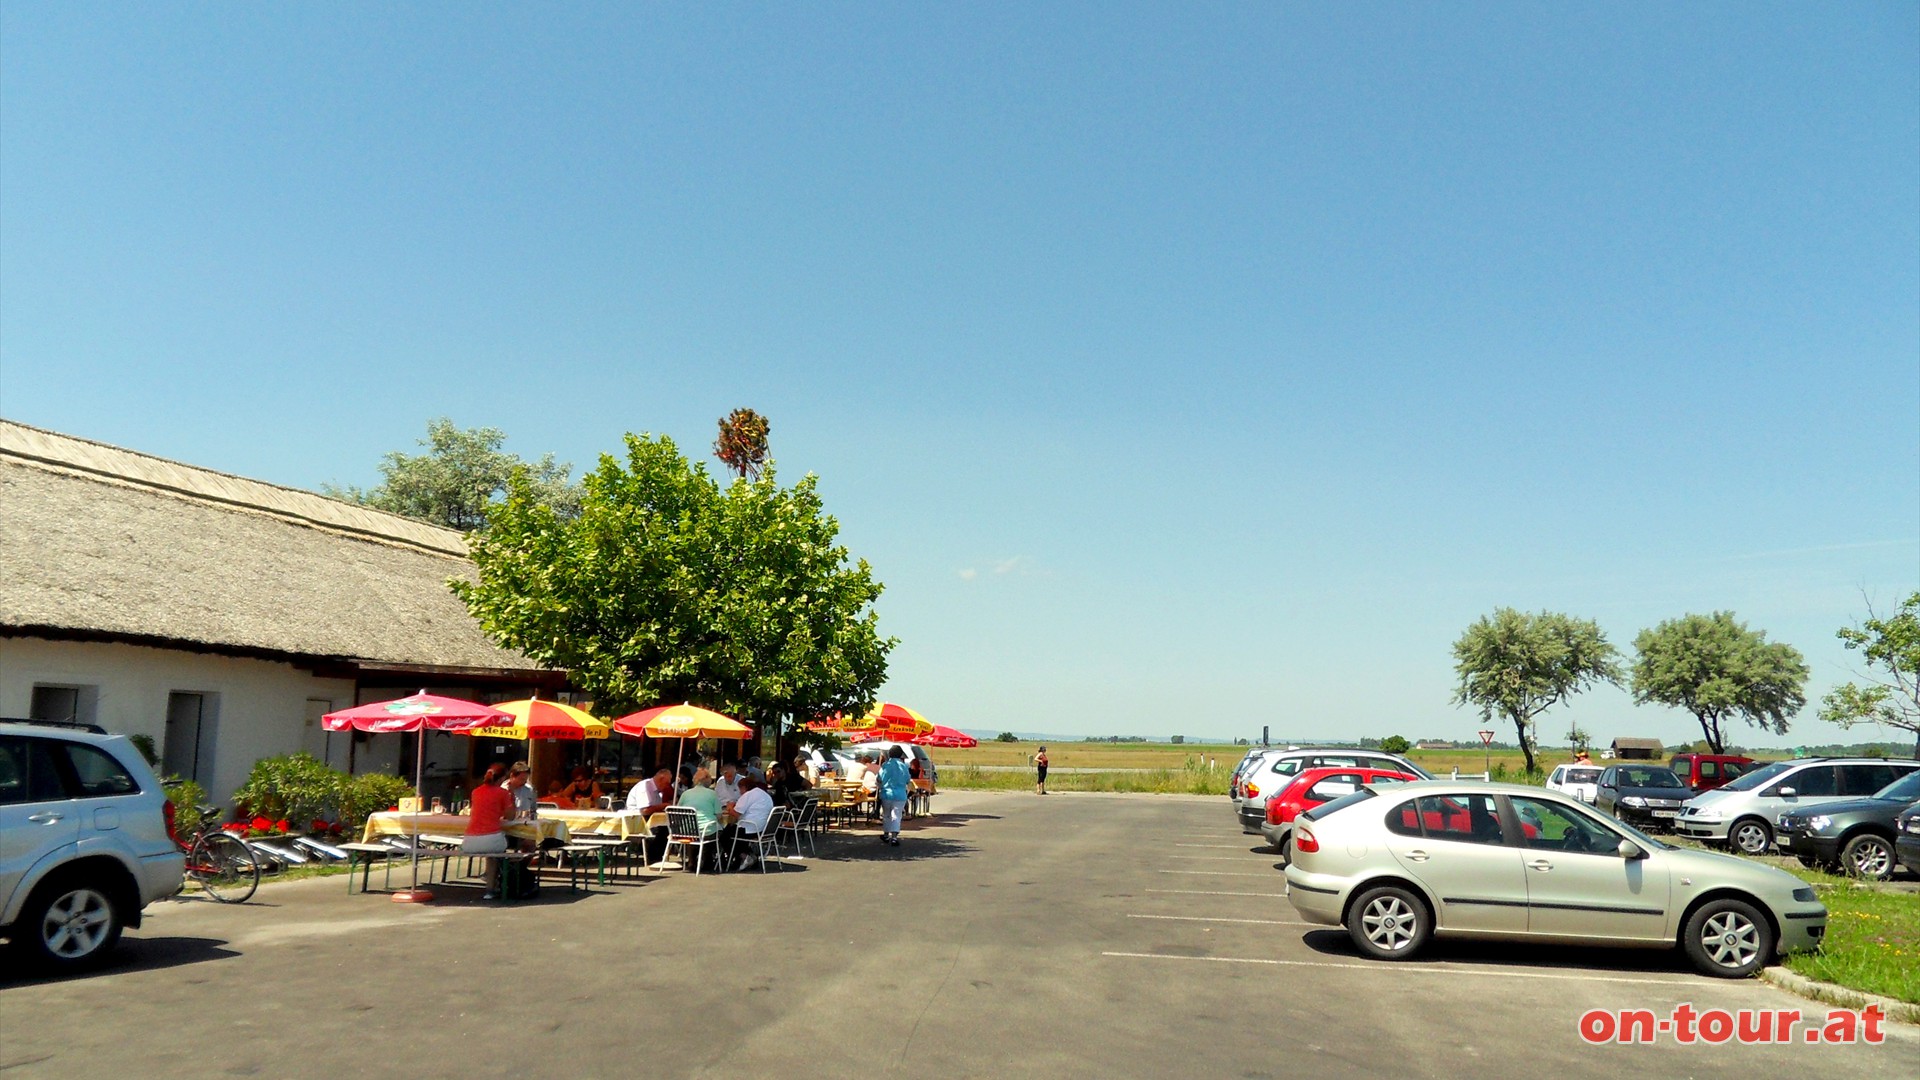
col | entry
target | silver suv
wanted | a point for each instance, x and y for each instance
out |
(85, 842)
(1745, 813)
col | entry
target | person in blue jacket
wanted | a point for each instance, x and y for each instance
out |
(893, 785)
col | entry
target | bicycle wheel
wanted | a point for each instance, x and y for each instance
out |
(225, 867)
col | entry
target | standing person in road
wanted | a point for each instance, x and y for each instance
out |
(1040, 771)
(892, 786)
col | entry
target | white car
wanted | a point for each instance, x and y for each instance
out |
(85, 841)
(1398, 865)
(1575, 779)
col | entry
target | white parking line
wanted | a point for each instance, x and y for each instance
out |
(1220, 847)
(1219, 873)
(1425, 969)
(1205, 892)
(1208, 858)
(1209, 918)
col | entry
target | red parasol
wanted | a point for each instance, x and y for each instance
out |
(417, 714)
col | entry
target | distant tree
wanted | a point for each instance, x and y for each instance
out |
(1517, 665)
(1891, 697)
(462, 474)
(742, 445)
(1715, 668)
(1006, 736)
(1578, 739)
(1395, 744)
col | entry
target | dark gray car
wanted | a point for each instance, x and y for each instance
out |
(1647, 796)
(1856, 836)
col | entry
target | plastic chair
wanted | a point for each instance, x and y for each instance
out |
(683, 832)
(764, 840)
(801, 822)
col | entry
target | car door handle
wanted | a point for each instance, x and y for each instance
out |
(45, 817)
(1540, 864)
(1416, 855)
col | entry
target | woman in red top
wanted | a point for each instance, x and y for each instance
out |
(492, 806)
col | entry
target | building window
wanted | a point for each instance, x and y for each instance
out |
(68, 704)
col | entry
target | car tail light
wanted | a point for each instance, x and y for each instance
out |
(166, 812)
(1253, 791)
(1305, 841)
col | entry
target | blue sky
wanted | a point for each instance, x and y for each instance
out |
(1180, 368)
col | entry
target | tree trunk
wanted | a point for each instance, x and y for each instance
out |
(1526, 744)
(1710, 727)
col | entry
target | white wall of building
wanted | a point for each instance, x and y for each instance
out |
(252, 708)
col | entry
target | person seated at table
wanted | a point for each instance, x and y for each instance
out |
(727, 788)
(857, 770)
(799, 773)
(870, 778)
(582, 793)
(700, 796)
(756, 769)
(704, 803)
(649, 797)
(486, 832)
(520, 786)
(557, 795)
(754, 807)
(779, 785)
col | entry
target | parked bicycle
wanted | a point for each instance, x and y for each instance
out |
(221, 862)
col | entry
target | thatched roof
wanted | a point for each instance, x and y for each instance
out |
(100, 542)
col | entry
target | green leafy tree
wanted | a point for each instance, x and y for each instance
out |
(742, 445)
(1890, 696)
(1578, 739)
(1516, 665)
(462, 473)
(665, 588)
(1395, 744)
(1717, 669)
(1006, 736)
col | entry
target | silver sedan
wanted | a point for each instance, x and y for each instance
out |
(1499, 861)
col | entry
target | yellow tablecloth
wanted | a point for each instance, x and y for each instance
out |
(624, 824)
(393, 823)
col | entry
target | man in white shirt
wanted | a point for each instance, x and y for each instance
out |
(755, 807)
(650, 797)
(728, 786)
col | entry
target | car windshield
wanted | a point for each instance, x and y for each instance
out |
(1643, 776)
(1758, 777)
(1338, 804)
(1904, 790)
(1580, 776)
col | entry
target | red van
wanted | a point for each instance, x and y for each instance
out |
(1704, 772)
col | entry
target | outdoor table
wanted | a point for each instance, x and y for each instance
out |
(395, 823)
(625, 824)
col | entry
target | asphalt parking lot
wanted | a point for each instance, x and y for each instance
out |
(1010, 935)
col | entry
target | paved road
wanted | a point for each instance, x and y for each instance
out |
(1014, 935)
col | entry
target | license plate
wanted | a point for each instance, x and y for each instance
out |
(1666, 813)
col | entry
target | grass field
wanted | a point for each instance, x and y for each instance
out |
(1873, 939)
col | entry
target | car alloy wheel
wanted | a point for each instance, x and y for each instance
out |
(1729, 939)
(1751, 836)
(1391, 923)
(76, 924)
(1868, 857)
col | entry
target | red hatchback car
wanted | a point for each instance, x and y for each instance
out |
(1313, 787)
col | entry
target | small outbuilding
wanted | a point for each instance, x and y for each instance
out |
(1629, 749)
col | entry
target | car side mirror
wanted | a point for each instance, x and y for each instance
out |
(1630, 850)
(1788, 793)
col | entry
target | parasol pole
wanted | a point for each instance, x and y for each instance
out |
(416, 894)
